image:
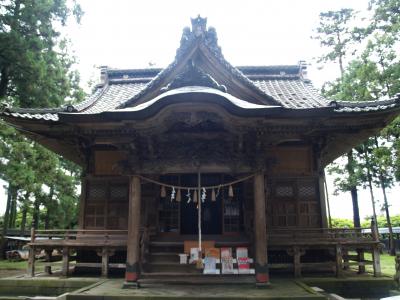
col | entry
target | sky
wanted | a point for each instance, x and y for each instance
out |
(135, 34)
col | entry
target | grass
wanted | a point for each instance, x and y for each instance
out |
(387, 264)
(13, 268)
(13, 265)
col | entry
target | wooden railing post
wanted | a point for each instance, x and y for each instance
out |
(339, 261)
(31, 258)
(104, 262)
(65, 261)
(376, 255)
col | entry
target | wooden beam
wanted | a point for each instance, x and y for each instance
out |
(132, 255)
(260, 230)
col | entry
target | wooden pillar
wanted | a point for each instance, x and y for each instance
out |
(65, 261)
(104, 262)
(339, 261)
(260, 231)
(31, 257)
(132, 253)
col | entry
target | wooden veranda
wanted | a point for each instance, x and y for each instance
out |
(343, 242)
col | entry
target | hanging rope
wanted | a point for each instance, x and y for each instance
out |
(191, 188)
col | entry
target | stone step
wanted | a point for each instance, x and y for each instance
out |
(156, 257)
(195, 278)
(170, 268)
(170, 247)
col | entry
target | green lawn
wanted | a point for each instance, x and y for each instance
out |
(13, 265)
(387, 264)
(13, 268)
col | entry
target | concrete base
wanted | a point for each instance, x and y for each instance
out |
(131, 285)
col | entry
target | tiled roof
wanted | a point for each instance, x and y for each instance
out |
(294, 93)
(284, 83)
(111, 96)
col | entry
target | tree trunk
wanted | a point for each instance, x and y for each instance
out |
(24, 213)
(371, 190)
(4, 79)
(13, 212)
(391, 239)
(48, 210)
(35, 217)
(353, 190)
(6, 222)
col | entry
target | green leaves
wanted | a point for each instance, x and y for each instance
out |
(36, 70)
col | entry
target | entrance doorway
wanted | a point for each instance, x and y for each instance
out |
(211, 211)
(224, 215)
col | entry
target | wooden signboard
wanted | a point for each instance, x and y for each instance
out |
(195, 244)
(227, 261)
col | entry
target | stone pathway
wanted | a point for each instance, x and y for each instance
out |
(279, 289)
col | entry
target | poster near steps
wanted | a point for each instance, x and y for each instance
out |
(210, 261)
(243, 261)
(227, 261)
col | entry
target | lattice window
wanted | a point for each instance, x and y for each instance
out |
(284, 191)
(97, 192)
(119, 192)
(106, 204)
(294, 203)
(307, 190)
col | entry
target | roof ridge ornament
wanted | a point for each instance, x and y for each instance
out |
(200, 33)
(199, 26)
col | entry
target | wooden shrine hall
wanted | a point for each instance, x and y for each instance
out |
(207, 153)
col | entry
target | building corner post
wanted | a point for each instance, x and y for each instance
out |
(133, 241)
(260, 231)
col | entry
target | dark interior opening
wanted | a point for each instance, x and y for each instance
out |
(224, 215)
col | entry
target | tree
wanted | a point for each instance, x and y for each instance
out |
(35, 71)
(336, 35)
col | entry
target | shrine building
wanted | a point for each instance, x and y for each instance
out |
(208, 155)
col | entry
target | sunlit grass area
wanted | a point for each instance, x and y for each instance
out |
(13, 268)
(387, 264)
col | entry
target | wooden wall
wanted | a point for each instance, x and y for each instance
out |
(293, 196)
